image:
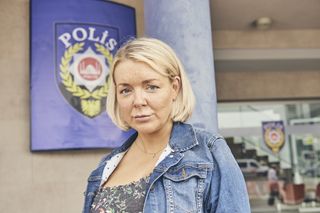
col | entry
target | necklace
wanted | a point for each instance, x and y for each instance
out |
(149, 153)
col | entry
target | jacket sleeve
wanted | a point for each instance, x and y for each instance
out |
(228, 192)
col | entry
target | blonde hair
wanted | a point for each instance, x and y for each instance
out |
(161, 58)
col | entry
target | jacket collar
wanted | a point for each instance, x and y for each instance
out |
(182, 138)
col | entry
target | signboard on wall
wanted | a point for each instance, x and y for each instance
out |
(273, 135)
(72, 48)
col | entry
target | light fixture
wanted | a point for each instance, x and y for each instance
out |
(262, 23)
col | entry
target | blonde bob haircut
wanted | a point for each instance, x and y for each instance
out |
(161, 58)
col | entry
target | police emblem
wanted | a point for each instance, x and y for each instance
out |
(274, 135)
(84, 55)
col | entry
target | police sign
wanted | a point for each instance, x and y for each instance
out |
(84, 54)
(273, 135)
(72, 48)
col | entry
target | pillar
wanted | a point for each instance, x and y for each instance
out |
(185, 26)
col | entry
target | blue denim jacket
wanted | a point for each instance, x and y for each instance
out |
(200, 175)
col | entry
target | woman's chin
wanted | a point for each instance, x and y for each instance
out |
(150, 128)
(146, 129)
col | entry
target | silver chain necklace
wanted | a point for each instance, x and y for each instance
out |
(149, 153)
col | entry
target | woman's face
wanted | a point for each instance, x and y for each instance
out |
(144, 96)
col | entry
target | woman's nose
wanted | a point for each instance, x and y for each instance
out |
(139, 99)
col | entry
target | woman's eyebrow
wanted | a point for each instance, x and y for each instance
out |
(123, 84)
(149, 80)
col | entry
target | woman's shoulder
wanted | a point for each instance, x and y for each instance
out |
(206, 134)
(216, 144)
(186, 135)
(208, 138)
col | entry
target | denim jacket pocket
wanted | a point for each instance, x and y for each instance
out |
(184, 186)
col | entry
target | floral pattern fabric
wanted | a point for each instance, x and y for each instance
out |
(127, 198)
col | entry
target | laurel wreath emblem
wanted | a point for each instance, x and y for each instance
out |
(275, 147)
(90, 101)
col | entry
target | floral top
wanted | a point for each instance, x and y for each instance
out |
(127, 198)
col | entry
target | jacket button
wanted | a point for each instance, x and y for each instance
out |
(184, 173)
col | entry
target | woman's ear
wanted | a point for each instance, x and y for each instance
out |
(176, 86)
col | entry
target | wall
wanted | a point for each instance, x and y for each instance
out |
(267, 39)
(34, 182)
(274, 84)
(267, 85)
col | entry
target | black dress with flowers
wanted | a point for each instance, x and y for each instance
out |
(127, 198)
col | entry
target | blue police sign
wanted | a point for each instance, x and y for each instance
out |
(274, 135)
(72, 48)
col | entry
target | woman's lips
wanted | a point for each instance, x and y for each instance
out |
(142, 118)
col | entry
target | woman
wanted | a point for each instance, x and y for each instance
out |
(167, 165)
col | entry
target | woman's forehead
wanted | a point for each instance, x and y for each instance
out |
(130, 70)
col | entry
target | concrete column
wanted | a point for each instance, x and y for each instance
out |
(185, 26)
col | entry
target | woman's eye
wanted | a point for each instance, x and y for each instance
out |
(152, 87)
(125, 91)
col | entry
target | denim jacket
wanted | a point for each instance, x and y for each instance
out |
(200, 175)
